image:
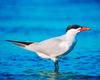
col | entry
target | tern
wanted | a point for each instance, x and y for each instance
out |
(55, 47)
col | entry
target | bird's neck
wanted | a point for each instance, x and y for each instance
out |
(70, 35)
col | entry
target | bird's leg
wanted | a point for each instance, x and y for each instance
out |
(56, 66)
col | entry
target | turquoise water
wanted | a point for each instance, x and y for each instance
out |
(28, 20)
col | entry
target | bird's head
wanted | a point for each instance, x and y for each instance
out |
(76, 28)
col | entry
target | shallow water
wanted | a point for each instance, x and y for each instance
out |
(38, 20)
(48, 76)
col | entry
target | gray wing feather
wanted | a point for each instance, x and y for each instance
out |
(50, 47)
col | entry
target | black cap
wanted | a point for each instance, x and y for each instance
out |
(73, 27)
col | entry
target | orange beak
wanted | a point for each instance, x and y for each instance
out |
(84, 29)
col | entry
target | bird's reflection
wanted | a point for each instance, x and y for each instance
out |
(60, 76)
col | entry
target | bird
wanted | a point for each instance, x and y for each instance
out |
(54, 48)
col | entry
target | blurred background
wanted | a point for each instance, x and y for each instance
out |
(36, 20)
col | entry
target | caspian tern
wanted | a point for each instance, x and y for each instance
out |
(54, 47)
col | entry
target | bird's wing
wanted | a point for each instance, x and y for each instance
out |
(50, 47)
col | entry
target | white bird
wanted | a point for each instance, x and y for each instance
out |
(54, 47)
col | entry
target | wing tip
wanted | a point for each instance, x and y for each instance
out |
(23, 44)
(9, 40)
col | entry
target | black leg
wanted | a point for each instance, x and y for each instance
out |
(56, 66)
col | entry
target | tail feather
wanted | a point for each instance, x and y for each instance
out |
(22, 44)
